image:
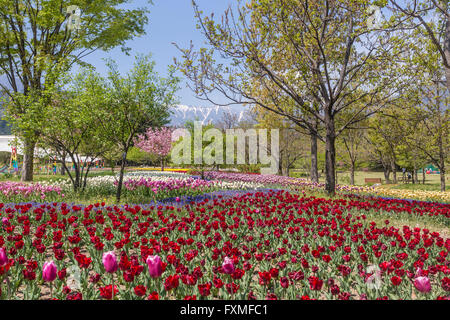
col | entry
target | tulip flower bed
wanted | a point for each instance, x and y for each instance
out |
(20, 192)
(280, 181)
(259, 245)
(147, 188)
(173, 170)
(300, 184)
(441, 196)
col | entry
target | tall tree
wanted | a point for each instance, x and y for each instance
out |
(385, 137)
(425, 124)
(36, 36)
(135, 102)
(72, 129)
(422, 115)
(334, 60)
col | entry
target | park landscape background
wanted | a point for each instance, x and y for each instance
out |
(93, 206)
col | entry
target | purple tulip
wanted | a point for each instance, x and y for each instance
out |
(228, 266)
(49, 271)
(110, 262)
(154, 266)
(3, 257)
(422, 284)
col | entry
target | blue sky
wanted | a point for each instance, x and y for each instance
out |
(169, 21)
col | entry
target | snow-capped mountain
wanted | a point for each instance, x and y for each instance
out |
(183, 113)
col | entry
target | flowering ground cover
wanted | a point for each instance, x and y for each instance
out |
(148, 188)
(17, 192)
(139, 187)
(300, 184)
(283, 181)
(441, 196)
(181, 170)
(256, 245)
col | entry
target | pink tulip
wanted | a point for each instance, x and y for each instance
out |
(3, 257)
(422, 284)
(49, 271)
(110, 262)
(154, 266)
(5, 221)
(228, 266)
(419, 272)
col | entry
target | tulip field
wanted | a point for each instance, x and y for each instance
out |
(226, 237)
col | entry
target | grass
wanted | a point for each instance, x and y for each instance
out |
(432, 181)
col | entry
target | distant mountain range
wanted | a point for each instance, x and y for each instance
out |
(183, 113)
(180, 114)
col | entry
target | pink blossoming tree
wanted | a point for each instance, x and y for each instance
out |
(157, 142)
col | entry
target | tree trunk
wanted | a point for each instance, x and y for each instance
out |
(442, 171)
(394, 171)
(442, 174)
(76, 184)
(28, 158)
(352, 174)
(415, 175)
(112, 164)
(447, 50)
(122, 169)
(423, 175)
(314, 173)
(280, 164)
(387, 173)
(330, 153)
(84, 182)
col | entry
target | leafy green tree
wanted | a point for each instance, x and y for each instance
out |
(112, 157)
(422, 115)
(39, 37)
(138, 156)
(133, 103)
(71, 130)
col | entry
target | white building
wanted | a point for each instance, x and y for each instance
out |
(4, 143)
(5, 146)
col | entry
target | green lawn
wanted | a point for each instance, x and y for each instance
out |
(432, 182)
